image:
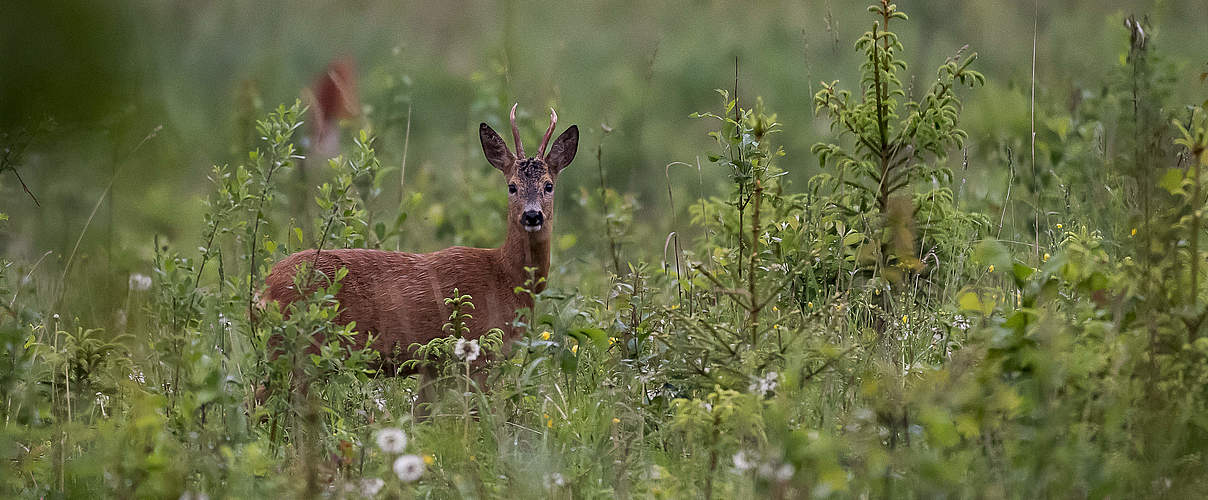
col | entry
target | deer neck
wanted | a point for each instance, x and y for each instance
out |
(522, 250)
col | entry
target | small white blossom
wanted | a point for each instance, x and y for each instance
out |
(742, 461)
(784, 472)
(370, 487)
(137, 376)
(960, 322)
(765, 384)
(379, 400)
(554, 480)
(409, 467)
(140, 282)
(467, 350)
(392, 440)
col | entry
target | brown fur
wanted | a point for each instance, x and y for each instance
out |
(398, 298)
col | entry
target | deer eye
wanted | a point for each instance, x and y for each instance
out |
(511, 189)
(549, 187)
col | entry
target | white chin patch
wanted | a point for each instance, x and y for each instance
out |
(533, 229)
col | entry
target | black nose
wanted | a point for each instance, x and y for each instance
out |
(532, 218)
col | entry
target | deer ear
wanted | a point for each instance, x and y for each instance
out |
(564, 149)
(495, 149)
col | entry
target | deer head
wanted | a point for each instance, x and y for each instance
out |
(530, 179)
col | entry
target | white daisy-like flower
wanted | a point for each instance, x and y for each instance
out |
(742, 461)
(409, 467)
(140, 282)
(370, 486)
(392, 440)
(467, 350)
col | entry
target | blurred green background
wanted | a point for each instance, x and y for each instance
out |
(83, 84)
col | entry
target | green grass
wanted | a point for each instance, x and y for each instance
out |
(916, 306)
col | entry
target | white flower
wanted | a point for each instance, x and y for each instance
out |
(742, 462)
(960, 322)
(467, 350)
(764, 385)
(137, 376)
(140, 282)
(785, 472)
(409, 467)
(371, 486)
(379, 400)
(554, 480)
(392, 440)
(102, 400)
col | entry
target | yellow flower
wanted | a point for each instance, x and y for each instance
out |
(674, 306)
(428, 459)
(574, 349)
(774, 308)
(545, 335)
(810, 304)
(549, 423)
(1046, 256)
(1134, 232)
(1058, 225)
(904, 319)
(776, 327)
(612, 340)
(991, 267)
(616, 420)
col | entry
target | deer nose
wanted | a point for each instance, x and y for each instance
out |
(532, 218)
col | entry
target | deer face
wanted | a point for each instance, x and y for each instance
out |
(530, 180)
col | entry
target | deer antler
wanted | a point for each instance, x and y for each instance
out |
(516, 134)
(553, 120)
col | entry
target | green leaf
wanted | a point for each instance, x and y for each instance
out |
(1172, 181)
(595, 335)
(992, 253)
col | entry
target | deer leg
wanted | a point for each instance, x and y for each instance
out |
(426, 389)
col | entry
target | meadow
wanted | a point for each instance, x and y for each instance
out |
(806, 250)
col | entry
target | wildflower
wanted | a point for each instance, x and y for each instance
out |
(764, 385)
(137, 376)
(140, 282)
(545, 335)
(1046, 257)
(1134, 232)
(554, 480)
(742, 462)
(991, 267)
(549, 421)
(102, 399)
(428, 459)
(905, 319)
(960, 322)
(370, 487)
(616, 420)
(1058, 225)
(612, 340)
(392, 440)
(810, 304)
(467, 350)
(408, 468)
(56, 316)
(379, 400)
(784, 472)
(574, 349)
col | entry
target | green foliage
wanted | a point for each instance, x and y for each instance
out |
(871, 332)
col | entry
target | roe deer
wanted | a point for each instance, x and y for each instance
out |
(398, 297)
